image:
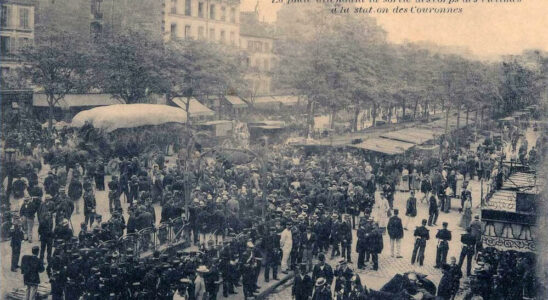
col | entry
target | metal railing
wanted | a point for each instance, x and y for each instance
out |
(154, 238)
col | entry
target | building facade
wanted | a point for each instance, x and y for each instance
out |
(16, 31)
(257, 41)
(212, 20)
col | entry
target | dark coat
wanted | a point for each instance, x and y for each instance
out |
(433, 205)
(302, 287)
(395, 228)
(376, 243)
(31, 267)
(322, 294)
(445, 288)
(75, 190)
(411, 207)
(326, 273)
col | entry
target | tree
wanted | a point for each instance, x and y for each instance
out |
(57, 64)
(197, 69)
(129, 65)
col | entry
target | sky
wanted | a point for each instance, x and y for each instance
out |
(487, 30)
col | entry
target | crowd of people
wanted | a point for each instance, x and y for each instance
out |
(288, 214)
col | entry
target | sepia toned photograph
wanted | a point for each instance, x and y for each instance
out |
(274, 149)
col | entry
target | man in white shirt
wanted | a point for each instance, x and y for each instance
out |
(286, 243)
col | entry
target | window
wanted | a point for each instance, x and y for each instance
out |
(200, 9)
(258, 46)
(266, 67)
(212, 34)
(233, 15)
(212, 11)
(222, 38)
(173, 6)
(249, 45)
(201, 32)
(265, 47)
(24, 18)
(5, 44)
(22, 43)
(5, 18)
(96, 9)
(223, 13)
(173, 31)
(188, 8)
(188, 35)
(258, 64)
(232, 38)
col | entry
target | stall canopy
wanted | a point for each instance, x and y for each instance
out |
(265, 101)
(411, 135)
(236, 101)
(196, 108)
(287, 100)
(110, 118)
(385, 146)
(502, 200)
(77, 100)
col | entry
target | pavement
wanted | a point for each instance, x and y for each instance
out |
(388, 266)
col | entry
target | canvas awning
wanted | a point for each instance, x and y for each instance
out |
(265, 101)
(411, 135)
(113, 117)
(77, 100)
(236, 101)
(196, 108)
(287, 100)
(385, 146)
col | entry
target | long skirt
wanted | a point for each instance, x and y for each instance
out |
(466, 218)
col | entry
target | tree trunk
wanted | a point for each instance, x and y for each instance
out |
(403, 111)
(446, 121)
(390, 114)
(481, 121)
(51, 106)
(467, 115)
(374, 114)
(458, 117)
(308, 123)
(476, 120)
(332, 121)
(356, 116)
(415, 108)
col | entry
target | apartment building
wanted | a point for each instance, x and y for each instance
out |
(257, 41)
(212, 20)
(16, 31)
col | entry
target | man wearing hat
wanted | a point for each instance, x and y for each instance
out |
(421, 235)
(31, 267)
(395, 231)
(444, 236)
(322, 270)
(335, 235)
(272, 253)
(286, 243)
(345, 232)
(475, 231)
(28, 212)
(17, 236)
(302, 284)
(468, 244)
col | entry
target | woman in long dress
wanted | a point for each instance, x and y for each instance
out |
(404, 183)
(460, 180)
(466, 215)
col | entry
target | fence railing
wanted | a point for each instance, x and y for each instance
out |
(150, 239)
